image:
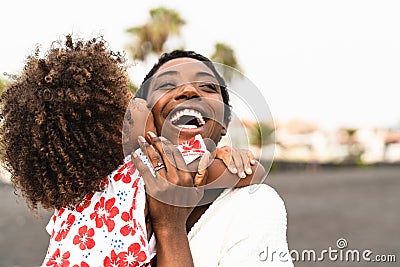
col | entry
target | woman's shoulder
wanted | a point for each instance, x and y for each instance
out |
(258, 200)
(257, 193)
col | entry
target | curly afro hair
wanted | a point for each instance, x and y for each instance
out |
(61, 122)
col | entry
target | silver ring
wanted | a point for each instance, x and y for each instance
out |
(159, 166)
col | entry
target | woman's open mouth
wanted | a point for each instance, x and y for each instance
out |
(188, 119)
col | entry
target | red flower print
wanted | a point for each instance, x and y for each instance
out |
(125, 172)
(142, 241)
(135, 191)
(65, 227)
(104, 183)
(84, 239)
(59, 261)
(54, 218)
(133, 256)
(104, 212)
(83, 264)
(85, 203)
(191, 144)
(131, 225)
(112, 261)
(135, 184)
(60, 212)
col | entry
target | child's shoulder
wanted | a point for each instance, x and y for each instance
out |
(125, 172)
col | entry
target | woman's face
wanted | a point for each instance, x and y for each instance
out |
(186, 100)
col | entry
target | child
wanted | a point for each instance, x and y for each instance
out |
(61, 137)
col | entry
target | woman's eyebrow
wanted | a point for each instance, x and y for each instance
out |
(170, 72)
(174, 72)
(203, 73)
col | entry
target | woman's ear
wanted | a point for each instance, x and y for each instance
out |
(224, 125)
(223, 131)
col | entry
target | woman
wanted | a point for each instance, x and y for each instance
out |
(188, 97)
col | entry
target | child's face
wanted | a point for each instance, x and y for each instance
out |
(138, 121)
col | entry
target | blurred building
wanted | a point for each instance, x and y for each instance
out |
(392, 146)
(302, 141)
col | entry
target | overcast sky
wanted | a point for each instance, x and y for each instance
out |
(333, 62)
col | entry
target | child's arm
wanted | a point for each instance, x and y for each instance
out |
(237, 161)
(219, 177)
(231, 167)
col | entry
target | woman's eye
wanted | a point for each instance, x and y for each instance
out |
(211, 86)
(167, 85)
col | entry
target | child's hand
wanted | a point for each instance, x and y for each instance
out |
(238, 161)
(138, 121)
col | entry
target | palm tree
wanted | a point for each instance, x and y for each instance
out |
(225, 55)
(355, 150)
(164, 24)
(261, 134)
(152, 36)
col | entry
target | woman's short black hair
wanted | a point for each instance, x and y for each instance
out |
(144, 87)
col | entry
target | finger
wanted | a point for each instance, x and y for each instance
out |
(225, 154)
(182, 171)
(251, 157)
(154, 157)
(237, 158)
(165, 150)
(246, 161)
(155, 187)
(179, 161)
(201, 175)
(143, 144)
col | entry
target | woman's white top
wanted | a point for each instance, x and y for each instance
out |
(243, 227)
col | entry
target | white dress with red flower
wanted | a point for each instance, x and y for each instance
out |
(108, 228)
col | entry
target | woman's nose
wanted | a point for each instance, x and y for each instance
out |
(187, 91)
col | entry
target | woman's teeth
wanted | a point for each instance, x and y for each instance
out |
(183, 117)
